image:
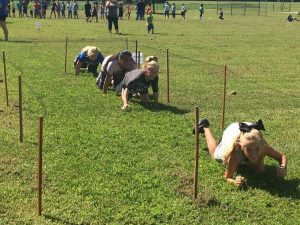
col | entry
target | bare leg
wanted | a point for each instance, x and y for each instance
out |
(124, 97)
(5, 31)
(211, 141)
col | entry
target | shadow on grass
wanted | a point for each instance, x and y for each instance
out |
(268, 181)
(161, 107)
(20, 41)
(161, 34)
(59, 220)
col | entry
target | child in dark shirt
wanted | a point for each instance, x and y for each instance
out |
(139, 80)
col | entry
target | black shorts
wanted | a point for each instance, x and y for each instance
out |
(3, 18)
(88, 13)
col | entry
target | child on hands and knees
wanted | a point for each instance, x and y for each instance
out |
(139, 80)
(89, 57)
(242, 143)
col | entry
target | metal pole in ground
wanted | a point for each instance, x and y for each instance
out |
(5, 79)
(66, 51)
(224, 97)
(136, 48)
(168, 78)
(40, 166)
(195, 191)
(139, 59)
(20, 109)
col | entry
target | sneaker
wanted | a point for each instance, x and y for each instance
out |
(202, 123)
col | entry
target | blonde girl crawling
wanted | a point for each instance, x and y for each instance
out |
(139, 80)
(89, 57)
(242, 143)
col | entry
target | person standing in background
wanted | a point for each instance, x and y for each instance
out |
(53, 6)
(148, 9)
(8, 7)
(221, 14)
(3, 15)
(69, 8)
(183, 10)
(201, 10)
(121, 10)
(129, 8)
(75, 9)
(173, 10)
(102, 10)
(88, 11)
(112, 15)
(167, 9)
(44, 8)
(13, 8)
(63, 9)
(58, 8)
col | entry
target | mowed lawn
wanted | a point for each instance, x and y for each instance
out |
(105, 166)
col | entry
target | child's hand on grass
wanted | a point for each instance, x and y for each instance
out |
(239, 181)
(281, 171)
(124, 107)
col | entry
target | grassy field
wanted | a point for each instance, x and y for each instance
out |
(106, 166)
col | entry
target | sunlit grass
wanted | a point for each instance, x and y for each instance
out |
(106, 166)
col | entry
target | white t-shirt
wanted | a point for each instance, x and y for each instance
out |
(112, 66)
(230, 134)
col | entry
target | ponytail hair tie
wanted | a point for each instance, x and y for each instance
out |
(247, 128)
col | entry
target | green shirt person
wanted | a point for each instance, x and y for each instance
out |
(150, 26)
(30, 8)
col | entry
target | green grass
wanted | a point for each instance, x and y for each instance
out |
(105, 166)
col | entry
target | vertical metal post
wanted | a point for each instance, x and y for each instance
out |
(136, 49)
(5, 78)
(40, 166)
(168, 78)
(20, 109)
(224, 98)
(195, 190)
(66, 52)
(139, 59)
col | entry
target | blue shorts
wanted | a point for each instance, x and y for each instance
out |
(150, 27)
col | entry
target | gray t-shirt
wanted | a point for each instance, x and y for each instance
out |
(135, 82)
